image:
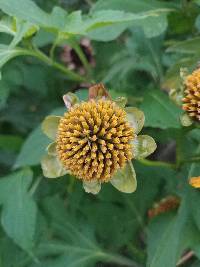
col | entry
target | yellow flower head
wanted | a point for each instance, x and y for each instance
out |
(192, 95)
(96, 140)
(195, 181)
(93, 140)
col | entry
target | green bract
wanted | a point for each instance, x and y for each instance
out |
(125, 178)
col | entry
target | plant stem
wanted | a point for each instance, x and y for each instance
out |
(41, 56)
(81, 55)
(51, 53)
(148, 162)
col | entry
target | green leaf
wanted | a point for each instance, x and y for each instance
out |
(125, 179)
(10, 142)
(166, 241)
(151, 25)
(33, 149)
(92, 187)
(131, 6)
(168, 115)
(74, 24)
(19, 210)
(77, 245)
(50, 126)
(136, 118)
(22, 29)
(143, 146)
(7, 53)
(19, 9)
(6, 25)
(190, 46)
(52, 167)
(4, 93)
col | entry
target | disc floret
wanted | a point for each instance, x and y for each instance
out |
(93, 140)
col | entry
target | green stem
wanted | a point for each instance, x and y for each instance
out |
(52, 50)
(81, 55)
(41, 56)
(148, 162)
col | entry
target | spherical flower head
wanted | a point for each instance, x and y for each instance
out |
(93, 140)
(96, 140)
(191, 100)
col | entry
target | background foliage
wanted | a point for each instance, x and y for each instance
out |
(139, 47)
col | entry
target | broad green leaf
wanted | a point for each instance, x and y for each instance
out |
(33, 149)
(92, 187)
(50, 126)
(166, 241)
(131, 6)
(19, 210)
(52, 167)
(136, 118)
(74, 23)
(168, 115)
(6, 25)
(22, 29)
(143, 146)
(4, 93)
(125, 179)
(152, 26)
(10, 142)
(19, 9)
(190, 46)
(77, 245)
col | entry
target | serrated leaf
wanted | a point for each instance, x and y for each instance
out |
(125, 179)
(168, 115)
(50, 126)
(74, 23)
(52, 167)
(19, 210)
(136, 118)
(143, 146)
